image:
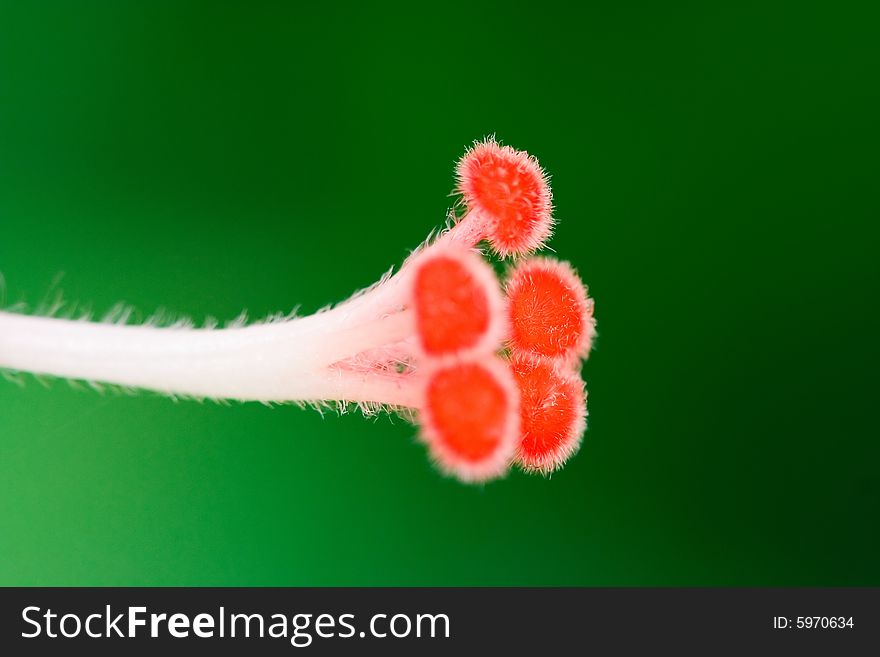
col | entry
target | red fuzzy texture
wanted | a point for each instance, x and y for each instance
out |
(470, 417)
(549, 313)
(552, 413)
(510, 193)
(452, 304)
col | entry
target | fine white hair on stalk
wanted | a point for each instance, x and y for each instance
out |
(357, 351)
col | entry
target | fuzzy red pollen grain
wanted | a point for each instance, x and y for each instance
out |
(549, 313)
(509, 189)
(552, 412)
(457, 302)
(470, 417)
(470, 409)
(451, 307)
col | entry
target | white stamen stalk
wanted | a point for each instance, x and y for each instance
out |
(282, 361)
(349, 353)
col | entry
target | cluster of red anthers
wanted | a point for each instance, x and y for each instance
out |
(490, 371)
(497, 365)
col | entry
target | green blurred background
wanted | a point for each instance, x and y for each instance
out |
(715, 177)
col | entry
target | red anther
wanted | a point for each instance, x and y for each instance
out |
(509, 191)
(553, 413)
(470, 418)
(548, 311)
(457, 302)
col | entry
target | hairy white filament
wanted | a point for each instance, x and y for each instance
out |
(281, 361)
(292, 360)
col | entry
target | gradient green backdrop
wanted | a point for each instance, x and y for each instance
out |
(715, 176)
